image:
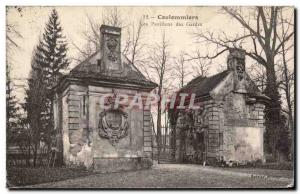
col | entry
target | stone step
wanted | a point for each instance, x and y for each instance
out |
(167, 162)
(165, 159)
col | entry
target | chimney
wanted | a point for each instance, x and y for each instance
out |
(236, 62)
(110, 49)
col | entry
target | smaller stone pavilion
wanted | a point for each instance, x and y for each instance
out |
(229, 126)
(106, 139)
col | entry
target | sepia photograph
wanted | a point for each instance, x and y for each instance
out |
(150, 97)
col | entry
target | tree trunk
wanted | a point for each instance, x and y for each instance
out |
(288, 99)
(158, 131)
(159, 122)
(28, 154)
(35, 154)
(36, 143)
(274, 122)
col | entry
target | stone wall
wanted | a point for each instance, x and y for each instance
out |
(243, 128)
(234, 120)
(82, 144)
(233, 130)
(79, 151)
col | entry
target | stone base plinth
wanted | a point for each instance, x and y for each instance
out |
(104, 165)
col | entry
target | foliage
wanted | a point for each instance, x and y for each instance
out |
(12, 109)
(173, 116)
(29, 176)
(264, 35)
(13, 37)
(48, 62)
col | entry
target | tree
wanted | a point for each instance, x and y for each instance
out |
(180, 69)
(111, 17)
(12, 110)
(286, 77)
(258, 75)
(13, 37)
(11, 102)
(11, 33)
(52, 50)
(201, 66)
(134, 47)
(52, 57)
(263, 46)
(48, 63)
(36, 106)
(159, 64)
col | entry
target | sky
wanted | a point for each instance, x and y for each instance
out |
(74, 21)
(31, 21)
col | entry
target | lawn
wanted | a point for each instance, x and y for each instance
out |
(159, 176)
(172, 176)
(20, 176)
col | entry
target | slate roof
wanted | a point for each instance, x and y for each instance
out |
(91, 71)
(85, 65)
(202, 86)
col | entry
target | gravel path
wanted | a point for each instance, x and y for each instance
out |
(177, 176)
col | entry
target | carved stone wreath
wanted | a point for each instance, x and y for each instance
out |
(113, 125)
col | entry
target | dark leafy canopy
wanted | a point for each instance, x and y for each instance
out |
(52, 50)
(36, 97)
(49, 59)
(12, 110)
(13, 36)
(11, 103)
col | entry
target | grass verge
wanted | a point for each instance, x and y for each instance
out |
(21, 176)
